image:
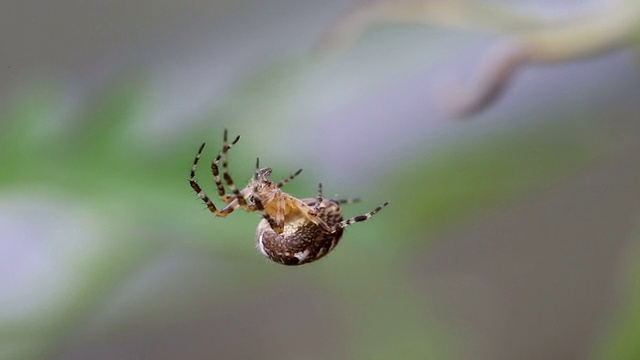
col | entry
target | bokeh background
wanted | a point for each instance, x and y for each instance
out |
(513, 225)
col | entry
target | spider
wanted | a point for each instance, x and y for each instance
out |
(293, 231)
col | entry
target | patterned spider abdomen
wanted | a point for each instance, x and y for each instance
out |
(301, 241)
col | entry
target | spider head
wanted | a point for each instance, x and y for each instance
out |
(263, 175)
(261, 180)
(261, 185)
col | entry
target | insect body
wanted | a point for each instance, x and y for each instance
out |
(292, 231)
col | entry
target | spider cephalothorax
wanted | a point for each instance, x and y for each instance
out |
(293, 231)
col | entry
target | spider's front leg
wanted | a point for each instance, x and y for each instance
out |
(216, 171)
(237, 196)
(201, 194)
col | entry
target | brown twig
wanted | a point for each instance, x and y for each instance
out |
(524, 41)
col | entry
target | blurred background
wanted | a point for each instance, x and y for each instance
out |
(505, 136)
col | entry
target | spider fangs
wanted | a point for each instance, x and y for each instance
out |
(293, 231)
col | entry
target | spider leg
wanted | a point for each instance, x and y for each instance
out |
(319, 199)
(312, 212)
(284, 181)
(222, 156)
(216, 171)
(281, 205)
(343, 224)
(234, 205)
(273, 223)
(255, 174)
(200, 192)
(346, 201)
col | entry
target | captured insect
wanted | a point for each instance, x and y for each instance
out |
(293, 231)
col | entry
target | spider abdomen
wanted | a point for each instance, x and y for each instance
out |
(301, 241)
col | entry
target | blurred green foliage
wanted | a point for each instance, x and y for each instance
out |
(621, 340)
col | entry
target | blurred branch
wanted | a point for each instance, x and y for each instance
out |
(524, 40)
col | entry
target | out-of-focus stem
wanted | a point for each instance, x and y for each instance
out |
(561, 42)
(582, 37)
(525, 41)
(452, 13)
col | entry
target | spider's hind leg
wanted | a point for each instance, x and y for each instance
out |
(319, 199)
(311, 209)
(346, 201)
(343, 224)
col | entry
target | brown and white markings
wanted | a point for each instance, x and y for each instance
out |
(293, 231)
